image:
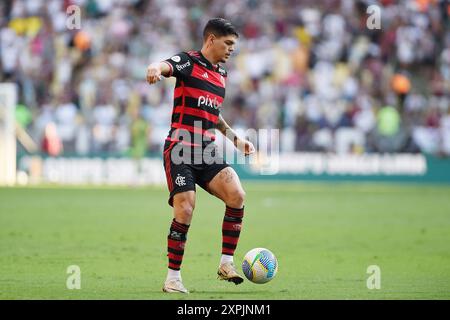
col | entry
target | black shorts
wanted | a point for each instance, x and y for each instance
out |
(183, 176)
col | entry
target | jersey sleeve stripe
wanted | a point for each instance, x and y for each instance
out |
(171, 68)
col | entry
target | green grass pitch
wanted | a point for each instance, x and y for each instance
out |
(324, 236)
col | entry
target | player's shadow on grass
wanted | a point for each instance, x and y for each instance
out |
(209, 292)
(223, 292)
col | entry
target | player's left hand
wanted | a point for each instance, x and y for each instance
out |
(245, 146)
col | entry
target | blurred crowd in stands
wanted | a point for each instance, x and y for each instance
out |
(312, 69)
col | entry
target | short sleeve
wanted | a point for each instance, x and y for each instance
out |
(181, 65)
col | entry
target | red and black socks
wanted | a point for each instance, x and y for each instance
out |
(175, 244)
(231, 229)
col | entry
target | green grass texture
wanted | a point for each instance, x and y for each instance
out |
(325, 236)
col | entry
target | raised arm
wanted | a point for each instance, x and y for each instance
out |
(178, 66)
(155, 70)
(243, 145)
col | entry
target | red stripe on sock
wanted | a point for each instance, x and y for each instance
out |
(235, 214)
(179, 226)
(231, 226)
(175, 244)
(175, 256)
(234, 209)
(228, 251)
(230, 240)
(174, 266)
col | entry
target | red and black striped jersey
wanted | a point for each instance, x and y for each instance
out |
(198, 97)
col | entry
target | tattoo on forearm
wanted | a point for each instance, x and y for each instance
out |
(225, 129)
(222, 125)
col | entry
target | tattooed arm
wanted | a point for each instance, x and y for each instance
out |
(242, 145)
(226, 130)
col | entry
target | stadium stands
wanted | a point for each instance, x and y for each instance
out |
(310, 68)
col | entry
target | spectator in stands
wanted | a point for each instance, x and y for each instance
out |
(308, 68)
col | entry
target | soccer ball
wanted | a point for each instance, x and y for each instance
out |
(260, 265)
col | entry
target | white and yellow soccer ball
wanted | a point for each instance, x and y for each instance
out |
(260, 265)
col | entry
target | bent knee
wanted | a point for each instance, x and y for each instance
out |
(186, 208)
(236, 199)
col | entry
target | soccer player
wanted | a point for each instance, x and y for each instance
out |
(198, 97)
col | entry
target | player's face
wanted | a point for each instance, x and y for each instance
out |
(223, 47)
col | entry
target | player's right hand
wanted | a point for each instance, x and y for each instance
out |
(153, 73)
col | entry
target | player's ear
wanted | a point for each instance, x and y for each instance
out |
(208, 40)
(211, 38)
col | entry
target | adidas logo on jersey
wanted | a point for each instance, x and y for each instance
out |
(205, 75)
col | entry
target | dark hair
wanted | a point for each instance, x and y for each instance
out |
(220, 28)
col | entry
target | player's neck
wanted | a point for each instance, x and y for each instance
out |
(209, 57)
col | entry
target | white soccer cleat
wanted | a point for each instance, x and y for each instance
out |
(227, 271)
(173, 286)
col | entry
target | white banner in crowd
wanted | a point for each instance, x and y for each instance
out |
(149, 171)
(358, 165)
(95, 171)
